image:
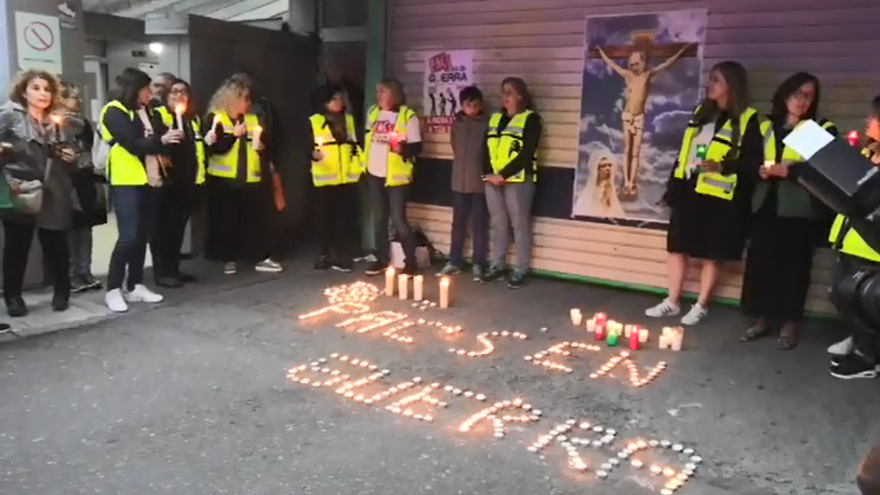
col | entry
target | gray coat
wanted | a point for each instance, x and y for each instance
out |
(468, 138)
(29, 159)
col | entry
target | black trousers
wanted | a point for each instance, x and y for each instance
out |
(173, 211)
(239, 221)
(859, 312)
(56, 253)
(335, 209)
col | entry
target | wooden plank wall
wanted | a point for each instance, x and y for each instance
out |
(543, 43)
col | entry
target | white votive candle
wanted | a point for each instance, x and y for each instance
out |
(444, 292)
(403, 286)
(576, 316)
(418, 287)
(389, 281)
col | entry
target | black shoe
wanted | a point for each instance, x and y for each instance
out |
(493, 274)
(409, 270)
(16, 307)
(322, 263)
(516, 280)
(185, 277)
(376, 268)
(5, 327)
(92, 283)
(78, 284)
(169, 282)
(853, 366)
(60, 302)
(344, 266)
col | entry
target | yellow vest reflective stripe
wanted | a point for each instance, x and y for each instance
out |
(505, 144)
(852, 243)
(788, 154)
(399, 169)
(123, 168)
(342, 161)
(168, 119)
(226, 165)
(711, 183)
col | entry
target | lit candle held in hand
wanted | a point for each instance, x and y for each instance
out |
(179, 110)
(257, 137)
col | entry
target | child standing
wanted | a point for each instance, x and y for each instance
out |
(468, 138)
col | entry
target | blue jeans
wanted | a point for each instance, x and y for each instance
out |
(80, 241)
(469, 206)
(135, 212)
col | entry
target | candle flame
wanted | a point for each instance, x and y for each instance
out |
(180, 108)
(56, 119)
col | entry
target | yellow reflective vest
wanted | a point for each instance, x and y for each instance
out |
(793, 200)
(505, 144)
(851, 243)
(400, 170)
(169, 120)
(713, 183)
(225, 166)
(342, 162)
(123, 168)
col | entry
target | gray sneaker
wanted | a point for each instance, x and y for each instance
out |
(449, 270)
(478, 272)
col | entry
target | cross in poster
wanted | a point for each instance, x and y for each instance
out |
(638, 79)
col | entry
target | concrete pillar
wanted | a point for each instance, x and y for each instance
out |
(45, 34)
(302, 16)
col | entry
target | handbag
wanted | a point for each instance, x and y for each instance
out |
(27, 195)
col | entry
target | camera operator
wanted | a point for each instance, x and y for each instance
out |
(856, 290)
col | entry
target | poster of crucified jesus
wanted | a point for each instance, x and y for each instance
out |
(642, 79)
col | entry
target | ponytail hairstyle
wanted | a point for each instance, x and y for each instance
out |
(738, 99)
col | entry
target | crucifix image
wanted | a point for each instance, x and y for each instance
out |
(638, 76)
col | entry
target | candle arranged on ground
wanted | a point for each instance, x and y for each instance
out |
(634, 339)
(178, 111)
(576, 316)
(677, 338)
(389, 281)
(444, 292)
(418, 287)
(591, 325)
(664, 340)
(599, 326)
(643, 335)
(403, 286)
(611, 338)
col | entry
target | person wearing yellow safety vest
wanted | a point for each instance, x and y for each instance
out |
(710, 189)
(336, 170)
(238, 201)
(511, 174)
(855, 293)
(123, 125)
(393, 141)
(178, 195)
(787, 222)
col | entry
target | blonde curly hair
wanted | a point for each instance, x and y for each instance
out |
(18, 87)
(232, 89)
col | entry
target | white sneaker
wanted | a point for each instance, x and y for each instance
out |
(142, 294)
(843, 348)
(268, 265)
(695, 315)
(115, 302)
(230, 268)
(665, 308)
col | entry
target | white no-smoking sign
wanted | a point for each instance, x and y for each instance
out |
(38, 41)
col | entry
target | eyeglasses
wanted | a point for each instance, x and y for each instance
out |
(179, 91)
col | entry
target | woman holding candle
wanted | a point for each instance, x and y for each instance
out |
(38, 163)
(391, 145)
(336, 170)
(90, 204)
(511, 175)
(711, 188)
(239, 202)
(787, 222)
(178, 196)
(131, 169)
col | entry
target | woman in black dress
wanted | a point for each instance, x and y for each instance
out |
(711, 188)
(787, 222)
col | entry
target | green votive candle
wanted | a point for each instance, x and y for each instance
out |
(612, 339)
